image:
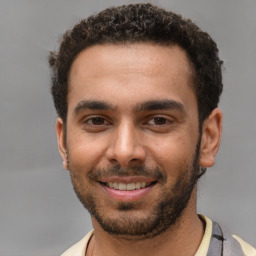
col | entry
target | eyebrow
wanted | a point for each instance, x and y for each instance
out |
(92, 105)
(144, 106)
(160, 105)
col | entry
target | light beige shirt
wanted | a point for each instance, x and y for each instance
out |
(79, 249)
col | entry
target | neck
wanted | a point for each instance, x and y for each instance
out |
(182, 239)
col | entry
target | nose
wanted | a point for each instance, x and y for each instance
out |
(125, 148)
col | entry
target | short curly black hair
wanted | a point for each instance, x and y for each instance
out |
(135, 23)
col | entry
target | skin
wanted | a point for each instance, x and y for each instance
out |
(125, 135)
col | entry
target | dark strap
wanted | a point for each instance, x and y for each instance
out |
(222, 243)
(216, 242)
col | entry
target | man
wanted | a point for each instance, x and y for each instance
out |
(136, 89)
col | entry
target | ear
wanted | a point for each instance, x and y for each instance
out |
(60, 130)
(211, 137)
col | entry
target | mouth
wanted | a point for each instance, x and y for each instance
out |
(126, 189)
(128, 186)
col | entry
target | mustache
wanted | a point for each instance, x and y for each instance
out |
(149, 172)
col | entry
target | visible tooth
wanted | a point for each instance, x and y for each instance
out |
(115, 185)
(137, 185)
(122, 186)
(130, 186)
(143, 184)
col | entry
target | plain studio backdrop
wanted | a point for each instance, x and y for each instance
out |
(40, 214)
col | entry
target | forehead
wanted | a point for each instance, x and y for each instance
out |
(149, 57)
(137, 71)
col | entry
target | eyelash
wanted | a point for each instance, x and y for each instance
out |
(154, 123)
(160, 119)
(97, 118)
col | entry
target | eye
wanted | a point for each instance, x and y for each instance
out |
(95, 124)
(158, 121)
(160, 124)
(97, 121)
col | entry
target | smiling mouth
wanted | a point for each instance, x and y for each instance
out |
(128, 186)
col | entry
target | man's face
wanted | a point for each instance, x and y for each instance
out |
(132, 136)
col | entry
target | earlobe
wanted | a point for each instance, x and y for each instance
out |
(211, 137)
(60, 131)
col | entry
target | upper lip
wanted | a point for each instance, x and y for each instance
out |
(126, 179)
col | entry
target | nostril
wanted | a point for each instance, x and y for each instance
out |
(114, 161)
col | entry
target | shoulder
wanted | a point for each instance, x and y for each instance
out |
(247, 248)
(234, 243)
(80, 247)
(220, 241)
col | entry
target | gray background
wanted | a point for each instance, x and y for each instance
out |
(39, 214)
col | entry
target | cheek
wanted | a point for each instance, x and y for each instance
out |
(85, 152)
(173, 153)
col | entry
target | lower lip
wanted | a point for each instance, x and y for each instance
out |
(127, 195)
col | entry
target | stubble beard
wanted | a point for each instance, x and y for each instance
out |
(164, 215)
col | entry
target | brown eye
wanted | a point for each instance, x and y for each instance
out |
(97, 121)
(95, 124)
(158, 121)
(160, 124)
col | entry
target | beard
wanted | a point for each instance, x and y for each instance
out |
(165, 212)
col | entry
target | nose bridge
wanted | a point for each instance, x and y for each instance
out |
(125, 146)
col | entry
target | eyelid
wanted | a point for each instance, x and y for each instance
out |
(168, 119)
(88, 118)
